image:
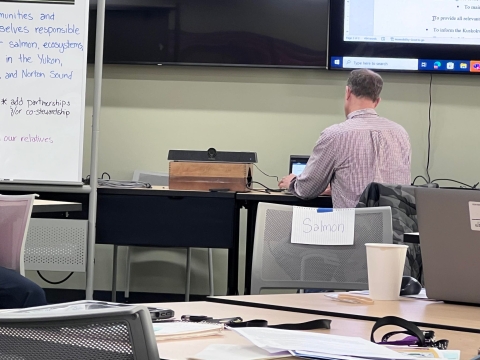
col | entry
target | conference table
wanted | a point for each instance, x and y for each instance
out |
(163, 217)
(184, 349)
(426, 313)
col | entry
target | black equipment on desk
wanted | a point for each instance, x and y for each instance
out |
(410, 286)
(213, 155)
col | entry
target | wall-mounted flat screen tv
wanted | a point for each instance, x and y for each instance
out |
(270, 33)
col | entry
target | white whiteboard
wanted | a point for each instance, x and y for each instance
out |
(43, 63)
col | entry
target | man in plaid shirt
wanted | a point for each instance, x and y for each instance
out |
(363, 149)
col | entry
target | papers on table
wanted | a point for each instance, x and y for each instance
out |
(236, 352)
(313, 355)
(428, 353)
(420, 296)
(279, 344)
(323, 226)
(321, 345)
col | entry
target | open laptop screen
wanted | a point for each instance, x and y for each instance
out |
(298, 163)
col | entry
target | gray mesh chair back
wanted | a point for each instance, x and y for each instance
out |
(15, 212)
(114, 334)
(279, 264)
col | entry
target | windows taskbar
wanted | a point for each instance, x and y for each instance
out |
(460, 66)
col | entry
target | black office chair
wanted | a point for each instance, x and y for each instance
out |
(401, 198)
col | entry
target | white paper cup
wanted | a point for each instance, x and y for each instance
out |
(385, 263)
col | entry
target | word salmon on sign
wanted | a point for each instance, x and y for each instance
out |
(323, 227)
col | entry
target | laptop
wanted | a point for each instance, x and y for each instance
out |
(297, 164)
(449, 226)
(86, 306)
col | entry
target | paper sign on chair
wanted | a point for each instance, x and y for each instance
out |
(323, 226)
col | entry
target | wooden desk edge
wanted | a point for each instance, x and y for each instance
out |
(332, 313)
(164, 191)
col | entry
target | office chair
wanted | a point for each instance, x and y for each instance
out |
(279, 264)
(401, 199)
(112, 334)
(15, 212)
(161, 179)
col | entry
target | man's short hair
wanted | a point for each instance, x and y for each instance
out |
(365, 84)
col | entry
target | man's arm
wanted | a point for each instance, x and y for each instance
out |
(319, 171)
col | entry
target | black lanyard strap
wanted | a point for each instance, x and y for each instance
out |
(309, 325)
(411, 328)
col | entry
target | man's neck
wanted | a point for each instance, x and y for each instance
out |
(354, 112)
(363, 105)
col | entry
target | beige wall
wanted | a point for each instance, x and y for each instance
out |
(149, 110)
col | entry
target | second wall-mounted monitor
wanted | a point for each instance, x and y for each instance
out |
(271, 33)
(408, 35)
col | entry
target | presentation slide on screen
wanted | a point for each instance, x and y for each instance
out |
(413, 21)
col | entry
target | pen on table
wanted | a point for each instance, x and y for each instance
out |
(324, 210)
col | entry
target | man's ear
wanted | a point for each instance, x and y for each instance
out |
(348, 93)
(377, 102)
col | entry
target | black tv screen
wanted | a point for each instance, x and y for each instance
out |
(408, 35)
(278, 33)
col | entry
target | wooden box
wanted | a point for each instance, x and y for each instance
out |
(209, 175)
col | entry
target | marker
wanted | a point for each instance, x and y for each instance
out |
(324, 210)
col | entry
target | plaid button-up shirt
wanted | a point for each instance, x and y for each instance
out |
(365, 148)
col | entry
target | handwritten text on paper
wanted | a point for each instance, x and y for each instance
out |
(323, 228)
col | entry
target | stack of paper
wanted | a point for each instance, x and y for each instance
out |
(421, 296)
(318, 346)
(183, 330)
(428, 353)
(237, 352)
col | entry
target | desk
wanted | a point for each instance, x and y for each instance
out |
(424, 313)
(47, 206)
(160, 217)
(183, 349)
(250, 202)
